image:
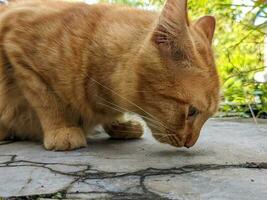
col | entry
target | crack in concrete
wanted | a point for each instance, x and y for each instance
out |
(126, 195)
(86, 174)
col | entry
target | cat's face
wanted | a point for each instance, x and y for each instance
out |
(181, 85)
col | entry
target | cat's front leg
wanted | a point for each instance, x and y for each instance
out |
(124, 129)
(60, 129)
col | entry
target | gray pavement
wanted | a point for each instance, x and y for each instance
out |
(228, 162)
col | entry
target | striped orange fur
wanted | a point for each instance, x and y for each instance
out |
(67, 67)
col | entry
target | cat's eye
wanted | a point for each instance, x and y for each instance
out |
(192, 111)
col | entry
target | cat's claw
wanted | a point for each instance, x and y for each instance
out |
(65, 139)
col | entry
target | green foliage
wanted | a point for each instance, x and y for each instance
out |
(239, 53)
(238, 48)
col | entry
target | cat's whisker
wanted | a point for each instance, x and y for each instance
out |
(151, 120)
(111, 107)
(132, 103)
(163, 137)
(154, 126)
(137, 132)
(113, 104)
(116, 109)
(162, 134)
(120, 112)
(159, 134)
(143, 91)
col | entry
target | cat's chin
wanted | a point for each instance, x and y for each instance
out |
(171, 140)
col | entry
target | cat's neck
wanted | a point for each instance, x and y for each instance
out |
(120, 51)
(127, 78)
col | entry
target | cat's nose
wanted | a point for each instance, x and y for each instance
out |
(188, 145)
(191, 140)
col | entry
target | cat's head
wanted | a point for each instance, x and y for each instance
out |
(179, 84)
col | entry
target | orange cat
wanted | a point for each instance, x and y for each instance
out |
(67, 67)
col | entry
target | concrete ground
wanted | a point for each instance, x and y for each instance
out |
(228, 162)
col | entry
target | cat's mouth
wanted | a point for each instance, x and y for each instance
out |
(175, 140)
(171, 139)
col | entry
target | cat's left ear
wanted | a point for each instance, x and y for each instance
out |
(207, 24)
(172, 30)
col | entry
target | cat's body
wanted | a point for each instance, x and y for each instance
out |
(64, 68)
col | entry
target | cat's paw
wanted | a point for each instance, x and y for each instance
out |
(65, 139)
(124, 130)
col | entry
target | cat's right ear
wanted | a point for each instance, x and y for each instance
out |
(172, 28)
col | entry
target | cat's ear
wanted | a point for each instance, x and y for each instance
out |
(172, 27)
(207, 25)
